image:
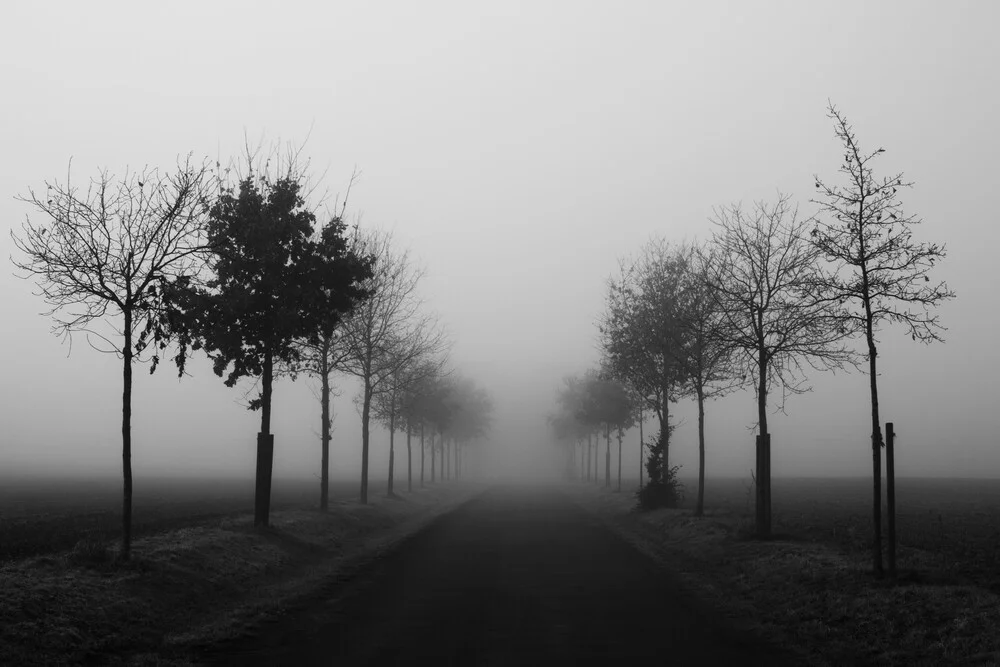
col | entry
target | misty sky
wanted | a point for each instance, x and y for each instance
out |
(519, 149)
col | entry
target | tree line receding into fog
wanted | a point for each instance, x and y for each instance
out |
(235, 262)
(771, 294)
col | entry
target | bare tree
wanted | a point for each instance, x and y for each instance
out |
(103, 259)
(877, 272)
(408, 362)
(705, 356)
(762, 280)
(387, 331)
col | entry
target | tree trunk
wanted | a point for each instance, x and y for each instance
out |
(642, 449)
(876, 450)
(409, 460)
(589, 438)
(433, 460)
(421, 455)
(126, 550)
(619, 460)
(607, 455)
(366, 409)
(392, 453)
(324, 477)
(265, 448)
(700, 506)
(447, 455)
(764, 452)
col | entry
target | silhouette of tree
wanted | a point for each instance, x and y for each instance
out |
(391, 404)
(877, 273)
(272, 286)
(386, 332)
(640, 333)
(762, 278)
(704, 355)
(320, 354)
(103, 259)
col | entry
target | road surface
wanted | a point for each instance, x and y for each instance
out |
(517, 576)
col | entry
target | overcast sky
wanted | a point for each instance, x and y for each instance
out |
(519, 149)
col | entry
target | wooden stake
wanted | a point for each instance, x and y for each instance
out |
(890, 490)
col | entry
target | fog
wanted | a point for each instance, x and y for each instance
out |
(518, 149)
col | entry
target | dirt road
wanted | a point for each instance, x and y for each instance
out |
(517, 576)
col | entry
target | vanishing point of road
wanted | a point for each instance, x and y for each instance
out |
(516, 576)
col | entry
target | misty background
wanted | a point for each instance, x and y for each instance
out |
(518, 149)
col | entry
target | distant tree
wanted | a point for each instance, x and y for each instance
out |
(103, 259)
(271, 287)
(412, 410)
(472, 409)
(407, 370)
(320, 353)
(877, 271)
(762, 280)
(704, 354)
(640, 338)
(387, 331)
(608, 403)
(567, 422)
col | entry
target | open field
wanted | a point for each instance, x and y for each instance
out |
(39, 515)
(811, 586)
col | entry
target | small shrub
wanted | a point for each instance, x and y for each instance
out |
(663, 489)
(663, 493)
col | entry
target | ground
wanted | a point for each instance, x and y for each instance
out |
(202, 576)
(517, 576)
(812, 586)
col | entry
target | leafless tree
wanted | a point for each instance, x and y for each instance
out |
(387, 331)
(103, 258)
(409, 363)
(877, 272)
(704, 355)
(762, 280)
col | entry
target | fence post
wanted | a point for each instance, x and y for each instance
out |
(890, 490)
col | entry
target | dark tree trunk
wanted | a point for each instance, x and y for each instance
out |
(365, 415)
(642, 449)
(421, 455)
(764, 452)
(433, 459)
(619, 460)
(409, 460)
(324, 477)
(700, 506)
(392, 454)
(589, 438)
(876, 449)
(447, 455)
(126, 550)
(265, 448)
(607, 455)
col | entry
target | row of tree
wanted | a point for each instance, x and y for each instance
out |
(770, 294)
(232, 262)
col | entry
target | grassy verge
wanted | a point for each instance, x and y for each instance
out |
(815, 597)
(192, 586)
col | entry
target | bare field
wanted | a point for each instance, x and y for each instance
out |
(39, 515)
(811, 589)
(950, 525)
